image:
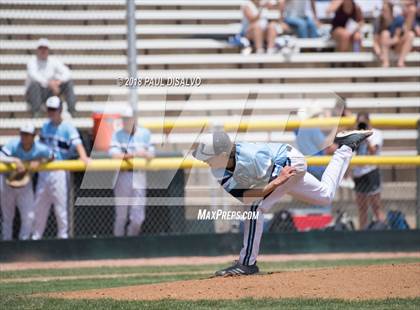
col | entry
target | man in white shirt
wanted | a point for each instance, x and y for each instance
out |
(47, 76)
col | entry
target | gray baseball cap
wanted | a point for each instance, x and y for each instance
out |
(210, 145)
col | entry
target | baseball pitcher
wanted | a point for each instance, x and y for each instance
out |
(260, 174)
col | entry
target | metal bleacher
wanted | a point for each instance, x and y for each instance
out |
(186, 38)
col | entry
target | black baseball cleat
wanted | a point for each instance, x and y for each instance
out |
(237, 269)
(352, 138)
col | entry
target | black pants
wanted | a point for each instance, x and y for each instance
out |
(368, 184)
(36, 95)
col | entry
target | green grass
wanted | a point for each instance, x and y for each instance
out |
(44, 303)
(75, 285)
(264, 266)
(17, 295)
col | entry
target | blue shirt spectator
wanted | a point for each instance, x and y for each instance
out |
(310, 142)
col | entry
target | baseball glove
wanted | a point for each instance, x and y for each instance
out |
(18, 179)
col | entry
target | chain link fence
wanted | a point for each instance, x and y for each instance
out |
(396, 201)
(175, 209)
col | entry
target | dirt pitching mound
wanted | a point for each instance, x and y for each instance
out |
(361, 282)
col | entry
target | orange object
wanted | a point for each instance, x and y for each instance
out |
(312, 221)
(104, 125)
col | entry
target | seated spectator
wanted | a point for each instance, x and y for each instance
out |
(367, 178)
(346, 25)
(294, 14)
(47, 77)
(257, 28)
(390, 33)
(417, 20)
(409, 10)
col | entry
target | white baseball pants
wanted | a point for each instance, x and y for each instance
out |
(23, 198)
(130, 200)
(51, 190)
(303, 186)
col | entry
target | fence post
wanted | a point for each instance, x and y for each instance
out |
(418, 179)
(132, 51)
(70, 202)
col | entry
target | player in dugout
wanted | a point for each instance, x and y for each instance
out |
(17, 188)
(52, 188)
(129, 142)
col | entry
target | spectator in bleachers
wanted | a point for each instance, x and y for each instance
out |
(294, 15)
(19, 151)
(313, 141)
(257, 28)
(391, 32)
(346, 25)
(47, 76)
(367, 178)
(409, 11)
(130, 189)
(417, 20)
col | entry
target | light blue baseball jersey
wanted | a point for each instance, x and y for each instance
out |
(123, 142)
(61, 139)
(38, 151)
(256, 165)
